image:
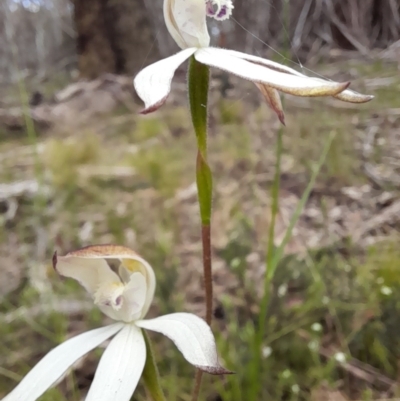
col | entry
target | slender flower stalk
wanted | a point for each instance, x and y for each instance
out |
(198, 80)
(150, 373)
(125, 296)
(198, 84)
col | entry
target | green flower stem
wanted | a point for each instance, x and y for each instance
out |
(150, 373)
(275, 255)
(198, 84)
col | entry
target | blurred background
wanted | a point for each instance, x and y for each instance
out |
(79, 166)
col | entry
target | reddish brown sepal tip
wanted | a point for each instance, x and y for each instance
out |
(346, 84)
(281, 117)
(154, 107)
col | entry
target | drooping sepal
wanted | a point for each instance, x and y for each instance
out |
(192, 336)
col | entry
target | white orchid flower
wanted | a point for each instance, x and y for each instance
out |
(186, 22)
(125, 295)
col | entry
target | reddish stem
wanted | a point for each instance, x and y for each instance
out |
(208, 287)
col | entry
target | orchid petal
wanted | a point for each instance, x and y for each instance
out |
(89, 264)
(120, 367)
(153, 83)
(171, 24)
(57, 362)
(294, 85)
(346, 96)
(353, 97)
(90, 273)
(192, 336)
(273, 65)
(188, 18)
(272, 97)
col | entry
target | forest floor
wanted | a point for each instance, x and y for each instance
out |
(334, 318)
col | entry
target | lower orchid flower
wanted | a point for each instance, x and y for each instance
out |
(123, 294)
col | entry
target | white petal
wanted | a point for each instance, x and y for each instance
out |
(171, 24)
(153, 83)
(57, 362)
(292, 84)
(353, 97)
(190, 19)
(186, 22)
(346, 96)
(90, 273)
(120, 367)
(263, 61)
(192, 336)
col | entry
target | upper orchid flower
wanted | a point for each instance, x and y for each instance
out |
(125, 295)
(186, 22)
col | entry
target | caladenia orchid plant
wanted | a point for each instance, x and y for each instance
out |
(186, 21)
(123, 294)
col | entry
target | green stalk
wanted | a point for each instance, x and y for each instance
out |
(198, 81)
(275, 255)
(150, 375)
(198, 84)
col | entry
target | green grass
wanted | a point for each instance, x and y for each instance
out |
(324, 301)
